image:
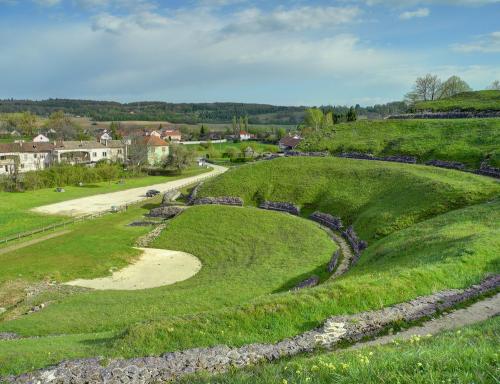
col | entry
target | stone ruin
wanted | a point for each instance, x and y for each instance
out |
(222, 200)
(194, 192)
(332, 264)
(487, 170)
(369, 156)
(174, 365)
(165, 212)
(327, 220)
(307, 283)
(357, 245)
(446, 164)
(169, 197)
(280, 207)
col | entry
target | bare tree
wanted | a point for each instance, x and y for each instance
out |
(426, 88)
(138, 151)
(495, 86)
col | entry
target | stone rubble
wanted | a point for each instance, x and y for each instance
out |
(487, 170)
(169, 197)
(165, 212)
(222, 200)
(146, 240)
(174, 365)
(280, 207)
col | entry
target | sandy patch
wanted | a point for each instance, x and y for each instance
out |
(104, 202)
(155, 268)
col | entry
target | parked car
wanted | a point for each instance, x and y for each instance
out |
(152, 193)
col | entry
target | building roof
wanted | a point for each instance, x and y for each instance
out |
(171, 132)
(155, 141)
(290, 141)
(26, 147)
(114, 144)
(79, 145)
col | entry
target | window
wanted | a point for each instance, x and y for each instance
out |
(94, 154)
(119, 151)
(104, 154)
(34, 155)
(6, 168)
(22, 165)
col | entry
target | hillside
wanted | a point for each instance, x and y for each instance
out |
(469, 141)
(467, 101)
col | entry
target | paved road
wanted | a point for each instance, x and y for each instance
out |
(104, 202)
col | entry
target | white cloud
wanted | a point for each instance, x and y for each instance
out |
(48, 3)
(421, 12)
(484, 44)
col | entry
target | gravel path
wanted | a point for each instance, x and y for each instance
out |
(155, 268)
(104, 202)
(477, 312)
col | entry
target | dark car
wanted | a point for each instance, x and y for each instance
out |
(152, 193)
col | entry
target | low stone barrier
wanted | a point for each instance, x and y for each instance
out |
(327, 220)
(333, 261)
(446, 115)
(222, 200)
(357, 245)
(280, 207)
(169, 197)
(166, 212)
(447, 164)
(142, 223)
(173, 365)
(9, 336)
(307, 283)
(194, 192)
(369, 156)
(306, 154)
(486, 170)
(146, 240)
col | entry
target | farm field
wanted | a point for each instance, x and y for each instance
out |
(15, 215)
(439, 225)
(469, 141)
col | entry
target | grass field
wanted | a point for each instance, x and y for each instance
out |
(377, 197)
(467, 101)
(447, 237)
(467, 356)
(469, 141)
(15, 216)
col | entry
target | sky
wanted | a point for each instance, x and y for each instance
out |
(293, 52)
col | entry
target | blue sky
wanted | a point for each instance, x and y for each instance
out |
(280, 52)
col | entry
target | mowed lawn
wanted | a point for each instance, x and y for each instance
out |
(15, 215)
(469, 355)
(251, 258)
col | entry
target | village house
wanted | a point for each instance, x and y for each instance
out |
(24, 157)
(41, 139)
(171, 135)
(289, 143)
(157, 149)
(244, 136)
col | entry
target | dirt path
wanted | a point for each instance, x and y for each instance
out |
(104, 202)
(155, 268)
(32, 242)
(346, 252)
(477, 312)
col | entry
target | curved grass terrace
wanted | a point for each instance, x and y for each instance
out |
(427, 229)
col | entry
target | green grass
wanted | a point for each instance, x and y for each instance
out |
(377, 197)
(469, 355)
(469, 141)
(251, 258)
(467, 101)
(15, 215)
(217, 150)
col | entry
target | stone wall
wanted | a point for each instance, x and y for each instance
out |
(170, 196)
(332, 264)
(357, 245)
(327, 220)
(146, 240)
(486, 170)
(173, 365)
(447, 115)
(307, 283)
(194, 193)
(447, 164)
(280, 207)
(369, 156)
(222, 200)
(165, 212)
(306, 154)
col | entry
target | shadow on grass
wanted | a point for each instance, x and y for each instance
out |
(320, 271)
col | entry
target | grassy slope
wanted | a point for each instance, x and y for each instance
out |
(467, 101)
(454, 249)
(14, 207)
(247, 254)
(465, 140)
(466, 356)
(377, 197)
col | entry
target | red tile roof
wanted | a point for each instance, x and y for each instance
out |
(155, 141)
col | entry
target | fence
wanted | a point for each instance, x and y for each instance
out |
(113, 209)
